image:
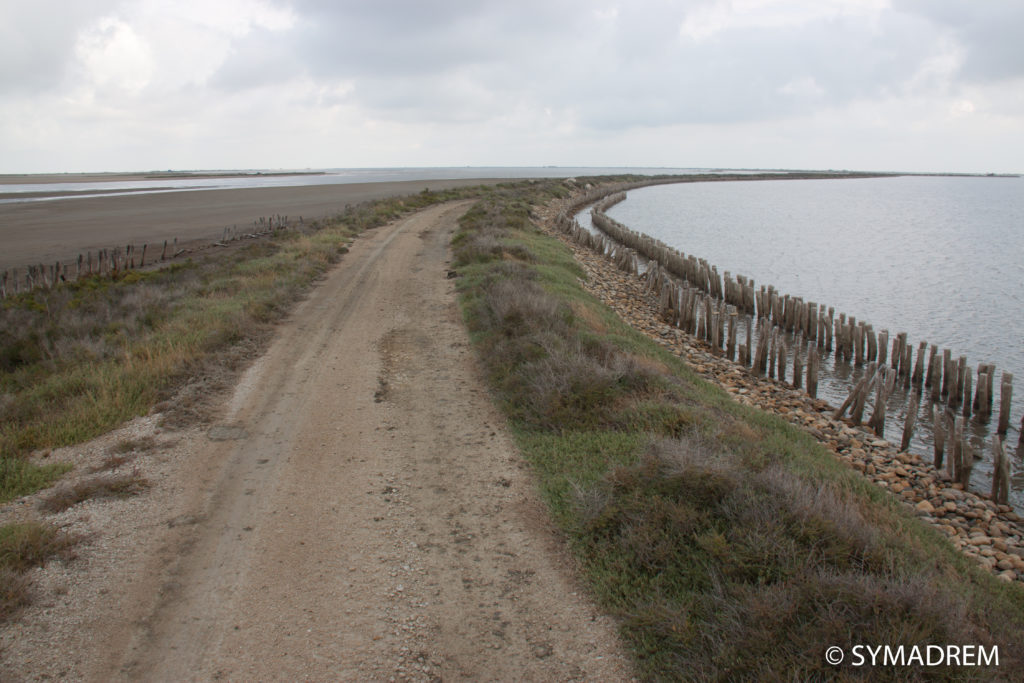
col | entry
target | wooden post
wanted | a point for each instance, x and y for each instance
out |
(1000, 472)
(947, 371)
(967, 392)
(812, 371)
(857, 412)
(782, 359)
(956, 461)
(731, 346)
(142, 260)
(935, 372)
(908, 351)
(931, 365)
(918, 377)
(981, 398)
(939, 430)
(858, 344)
(908, 426)
(883, 347)
(1005, 395)
(841, 410)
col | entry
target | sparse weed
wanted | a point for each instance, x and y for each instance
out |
(23, 547)
(730, 545)
(103, 486)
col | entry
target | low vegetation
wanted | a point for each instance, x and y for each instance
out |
(85, 356)
(22, 548)
(730, 544)
(103, 486)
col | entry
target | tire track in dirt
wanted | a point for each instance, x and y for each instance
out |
(360, 513)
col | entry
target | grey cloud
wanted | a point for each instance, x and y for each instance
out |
(989, 31)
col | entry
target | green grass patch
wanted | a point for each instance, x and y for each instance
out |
(730, 544)
(81, 358)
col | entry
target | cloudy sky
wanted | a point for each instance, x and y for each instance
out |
(920, 85)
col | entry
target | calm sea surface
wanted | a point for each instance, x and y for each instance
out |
(941, 258)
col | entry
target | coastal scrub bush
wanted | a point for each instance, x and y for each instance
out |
(730, 545)
(80, 358)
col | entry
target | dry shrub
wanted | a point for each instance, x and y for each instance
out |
(22, 548)
(105, 486)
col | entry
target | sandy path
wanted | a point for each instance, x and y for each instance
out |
(359, 513)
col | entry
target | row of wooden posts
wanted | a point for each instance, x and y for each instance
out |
(696, 298)
(116, 261)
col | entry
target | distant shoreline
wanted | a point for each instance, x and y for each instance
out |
(102, 177)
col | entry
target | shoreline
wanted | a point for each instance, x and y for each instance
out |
(45, 232)
(991, 535)
(118, 176)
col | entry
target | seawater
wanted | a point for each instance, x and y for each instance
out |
(938, 257)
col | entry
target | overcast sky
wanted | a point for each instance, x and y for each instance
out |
(919, 85)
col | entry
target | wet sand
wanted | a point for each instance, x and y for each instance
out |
(47, 231)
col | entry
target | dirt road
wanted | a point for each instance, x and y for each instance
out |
(358, 512)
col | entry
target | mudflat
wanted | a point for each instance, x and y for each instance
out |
(47, 231)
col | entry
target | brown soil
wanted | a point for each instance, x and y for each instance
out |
(47, 231)
(357, 511)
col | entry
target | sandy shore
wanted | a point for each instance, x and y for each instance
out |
(49, 178)
(44, 232)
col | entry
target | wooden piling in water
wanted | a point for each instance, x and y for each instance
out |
(911, 421)
(1005, 395)
(935, 373)
(812, 371)
(782, 359)
(967, 392)
(939, 432)
(1000, 472)
(730, 351)
(918, 377)
(947, 371)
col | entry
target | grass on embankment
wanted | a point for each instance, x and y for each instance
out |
(731, 545)
(78, 360)
(82, 358)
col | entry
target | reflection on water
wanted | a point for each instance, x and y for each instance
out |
(941, 258)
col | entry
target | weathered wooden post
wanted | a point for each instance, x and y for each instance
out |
(782, 359)
(908, 426)
(939, 430)
(967, 392)
(812, 371)
(918, 377)
(1005, 395)
(936, 375)
(933, 352)
(883, 347)
(1000, 472)
(731, 347)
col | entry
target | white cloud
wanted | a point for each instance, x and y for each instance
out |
(113, 55)
(162, 83)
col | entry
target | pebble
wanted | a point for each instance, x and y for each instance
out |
(949, 508)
